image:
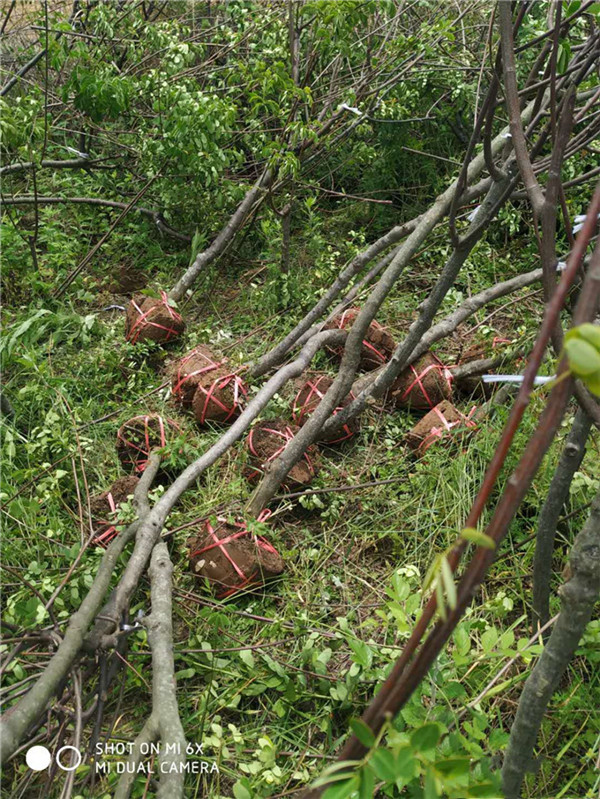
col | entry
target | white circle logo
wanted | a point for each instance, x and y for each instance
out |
(38, 758)
(66, 749)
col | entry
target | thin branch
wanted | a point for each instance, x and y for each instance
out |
(164, 723)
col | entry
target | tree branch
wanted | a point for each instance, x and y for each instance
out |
(578, 597)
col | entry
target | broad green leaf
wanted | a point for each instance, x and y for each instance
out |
(426, 737)
(430, 788)
(584, 359)
(590, 333)
(363, 732)
(341, 790)
(367, 783)
(383, 764)
(476, 537)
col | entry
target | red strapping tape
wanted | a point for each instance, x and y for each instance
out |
(220, 543)
(300, 411)
(209, 396)
(287, 436)
(142, 321)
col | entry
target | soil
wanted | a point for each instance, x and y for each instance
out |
(101, 509)
(266, 441)
(120, 490)
(187, 373)
(253, 556)
(218, 396)
(310, 393)
(422, 386)
(129, 279)
(422, 435)
(138, 436)
(378, 344)
(160, 322)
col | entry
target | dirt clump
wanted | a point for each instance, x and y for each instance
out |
(137, 437)
(421, 386)
(102, 505)
(232, 558)
(266, 442)
(310, 394)
(219, 396)
(378, 344)
(151, 319)
(187, 372)
(436, 425)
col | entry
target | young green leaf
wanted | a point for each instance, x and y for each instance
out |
(362, 732)
(476, 537)
(448, 581)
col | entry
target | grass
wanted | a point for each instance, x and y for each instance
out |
(269, 681)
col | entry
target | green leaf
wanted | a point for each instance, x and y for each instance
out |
(475, 537)
(426, 737)
(430, 788)
(449, 587)
(367, 784)
(240, 791)
(363, 732)
(590, 333)
(383, 764)
(341, 790)
(584, 359)
(439, 595)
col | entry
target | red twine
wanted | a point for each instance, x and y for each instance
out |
(418, 381)
(300, 412)
(141, 463)
(107, 536)
(287, 436)
(220, 543)
(180, 380)
(142, 321)
(239, 390)
(438, 432)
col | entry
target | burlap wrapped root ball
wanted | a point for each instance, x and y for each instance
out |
(378, 345)
(310, 393)
(423, 385)
(231, 558)
(102, 505)
(189, 371)
(265, 443)
(442, 422)
(219, 397)
(151, 319)
(139, 436)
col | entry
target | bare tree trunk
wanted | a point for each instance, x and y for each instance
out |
(558, 493)
(578, 597)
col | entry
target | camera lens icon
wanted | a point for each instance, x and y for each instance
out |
(38, 758)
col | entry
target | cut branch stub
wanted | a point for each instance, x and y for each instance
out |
(266, 442)
(378, 345)
(187, 372)
(139, 436)
(440, 423)
(151, 319)
(218, 397)
(102, 505)
(310, 394)
(423, 385)
(231, 557)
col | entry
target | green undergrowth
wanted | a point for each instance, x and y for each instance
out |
(269, 681)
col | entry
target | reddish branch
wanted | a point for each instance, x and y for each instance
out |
(414, 662)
